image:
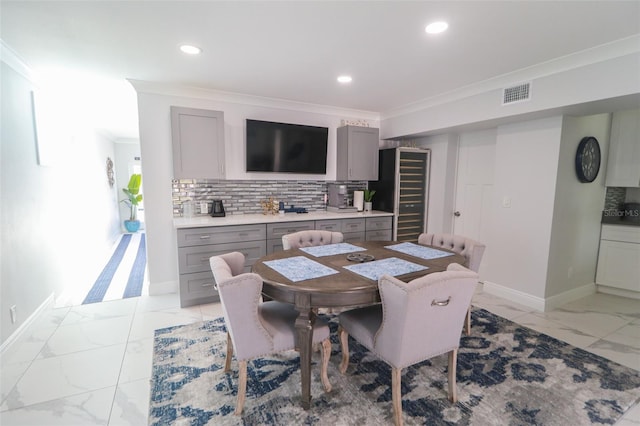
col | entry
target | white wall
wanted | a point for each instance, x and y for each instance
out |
(543, 250)
(442, 180)
(57, 220)
(526, 171)
(569, 81)
(575, 232)
(155, 139)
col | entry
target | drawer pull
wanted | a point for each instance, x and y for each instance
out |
(243, 234)
(205, 237)
(204, 259)
(208, 285)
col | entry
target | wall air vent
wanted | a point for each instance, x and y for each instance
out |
(518, 93)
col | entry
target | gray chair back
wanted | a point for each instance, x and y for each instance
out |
(472, 250)
(423, 318)
(240, 296)
(313, 237)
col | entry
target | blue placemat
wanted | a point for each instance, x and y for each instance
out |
(300, 268)
(391, 266)
(419, 251)
(331, 249)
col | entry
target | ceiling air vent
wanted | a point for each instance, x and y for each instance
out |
(517, 93)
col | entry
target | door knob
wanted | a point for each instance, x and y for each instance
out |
(456, 214)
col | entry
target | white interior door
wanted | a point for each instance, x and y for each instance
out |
(474, 185)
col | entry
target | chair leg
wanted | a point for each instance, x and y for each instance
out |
(453, 365)
(227, 361)
(468, 322)
(344, 346)
(396, 395)
(325, 355)
(242, 386)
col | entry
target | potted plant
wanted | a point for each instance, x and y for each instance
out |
(368, 198)
(133, 199)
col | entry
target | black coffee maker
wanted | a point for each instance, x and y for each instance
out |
(218, 209)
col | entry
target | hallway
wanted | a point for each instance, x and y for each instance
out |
(123, 275)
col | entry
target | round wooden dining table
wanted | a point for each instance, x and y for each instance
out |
(342, 289)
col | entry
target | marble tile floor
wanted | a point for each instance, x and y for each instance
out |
(91, 364)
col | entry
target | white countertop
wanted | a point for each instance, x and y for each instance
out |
(248, 219)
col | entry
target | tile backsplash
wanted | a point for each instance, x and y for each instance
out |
(615, 197)
(244, 196)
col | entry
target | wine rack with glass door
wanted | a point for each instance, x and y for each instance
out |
(402, 188)
(412, 194)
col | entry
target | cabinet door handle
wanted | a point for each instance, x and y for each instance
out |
(205, 237)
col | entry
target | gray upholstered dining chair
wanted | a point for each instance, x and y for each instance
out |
(472, 251)
(313, 237)
(256, 328)
(416, 321)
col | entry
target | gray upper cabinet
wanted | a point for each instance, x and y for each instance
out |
(623, 165)
(198, 143)
(357, 153)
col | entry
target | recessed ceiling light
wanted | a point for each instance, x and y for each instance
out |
(436, 27)
(344, 79)
(191, 50)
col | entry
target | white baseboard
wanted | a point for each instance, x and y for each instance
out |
(569, 296)
(517, 296)
(618, 291)
(538, 303)
(44, 307)
(166, 287)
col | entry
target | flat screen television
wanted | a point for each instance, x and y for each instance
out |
(286, 148)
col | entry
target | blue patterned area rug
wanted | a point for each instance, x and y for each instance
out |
(507, 375)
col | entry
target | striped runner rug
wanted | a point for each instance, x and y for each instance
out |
(123, 275)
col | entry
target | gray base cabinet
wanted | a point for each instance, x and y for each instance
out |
(197, 245)
(352, 229)
(379, 229)
(360, 229)
(275, 231)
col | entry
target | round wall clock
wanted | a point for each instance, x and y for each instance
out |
(588, 159)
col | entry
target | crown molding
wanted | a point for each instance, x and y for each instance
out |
(601, 53)
(167, 89)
